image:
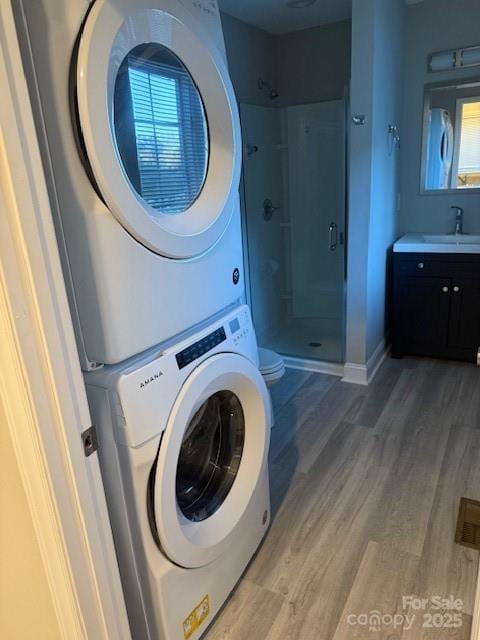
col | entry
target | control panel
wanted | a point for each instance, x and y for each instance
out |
(208, 6)
(239, 328)
(198, 349)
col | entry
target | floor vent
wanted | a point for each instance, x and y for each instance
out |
(468, 524)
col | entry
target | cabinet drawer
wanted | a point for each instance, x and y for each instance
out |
(424, 267)
(443, 267)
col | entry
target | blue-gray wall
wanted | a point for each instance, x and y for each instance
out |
(377, 40)
(313, 65)
(306, 66)
(432, 25)
(251, 54)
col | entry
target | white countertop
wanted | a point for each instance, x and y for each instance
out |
(437, 243)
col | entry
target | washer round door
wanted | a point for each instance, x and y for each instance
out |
(211, 458)
(160, 124)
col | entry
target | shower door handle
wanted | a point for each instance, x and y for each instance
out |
(332, 236)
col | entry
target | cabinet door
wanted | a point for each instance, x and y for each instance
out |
(464, 329)
(425, 304)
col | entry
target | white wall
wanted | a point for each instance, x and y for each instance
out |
(377, 38)
(431, 26)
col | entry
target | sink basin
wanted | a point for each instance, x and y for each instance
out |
(438, 243)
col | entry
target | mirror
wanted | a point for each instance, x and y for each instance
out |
(451, 137)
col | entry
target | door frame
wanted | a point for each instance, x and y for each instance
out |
(333, 368)
(243, 218)
(41, 385)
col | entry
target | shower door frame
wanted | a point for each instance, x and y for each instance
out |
(297, 362)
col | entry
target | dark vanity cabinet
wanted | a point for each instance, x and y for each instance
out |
(436, 305)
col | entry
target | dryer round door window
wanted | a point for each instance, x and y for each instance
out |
(160, 124)
(160, 129)
(210, 456)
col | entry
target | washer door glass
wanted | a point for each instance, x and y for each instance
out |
(210, 456)
(160, 128)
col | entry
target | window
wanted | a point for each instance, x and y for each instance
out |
(468, 122)
(160, 128)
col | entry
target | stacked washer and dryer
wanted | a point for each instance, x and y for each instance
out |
(141, 145)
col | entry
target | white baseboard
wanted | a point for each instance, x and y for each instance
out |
(317, 366)
(365, 373)
(355, 373)
(349, 372)
(376, 359)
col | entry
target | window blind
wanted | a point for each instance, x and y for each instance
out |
(469, 157)
(170, 135)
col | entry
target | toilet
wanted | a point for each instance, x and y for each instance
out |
(271, 366)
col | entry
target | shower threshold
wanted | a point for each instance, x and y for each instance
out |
(309, 339)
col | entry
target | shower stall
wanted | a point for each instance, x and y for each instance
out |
(294, 204)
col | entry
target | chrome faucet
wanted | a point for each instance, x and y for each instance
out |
(458, 220)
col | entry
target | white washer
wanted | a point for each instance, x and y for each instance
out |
(141, 143)
(183, 442)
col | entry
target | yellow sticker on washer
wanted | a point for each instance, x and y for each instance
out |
(195, 619)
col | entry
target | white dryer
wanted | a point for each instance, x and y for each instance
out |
(183, 440)
(141, 144)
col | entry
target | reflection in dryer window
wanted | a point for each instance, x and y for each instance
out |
(160, 128)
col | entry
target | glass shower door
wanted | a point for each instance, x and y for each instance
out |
(263, 215)
(316, 195)
(294, 158)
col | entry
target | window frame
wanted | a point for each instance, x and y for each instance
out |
(457, 141)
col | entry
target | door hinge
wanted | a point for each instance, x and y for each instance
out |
(89, 439)
(478, 357)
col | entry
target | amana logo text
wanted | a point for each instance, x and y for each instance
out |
(151, 379)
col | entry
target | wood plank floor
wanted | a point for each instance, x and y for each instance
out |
(365, 485)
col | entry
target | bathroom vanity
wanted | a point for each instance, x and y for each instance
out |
(436, 296)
